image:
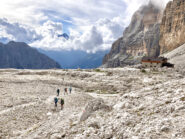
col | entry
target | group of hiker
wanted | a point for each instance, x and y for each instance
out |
(56, 99)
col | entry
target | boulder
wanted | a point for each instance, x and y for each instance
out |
(92, 106)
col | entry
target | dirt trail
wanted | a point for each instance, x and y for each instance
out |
(17, 107)
(59, 121)
(56, 118)
(103, 96)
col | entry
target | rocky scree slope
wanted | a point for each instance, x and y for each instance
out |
(150, 104)
(177, 56)
(21, 56)
(155, 111)
(172, 29)
(140, 38)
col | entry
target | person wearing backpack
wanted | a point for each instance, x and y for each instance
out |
(70, 89)
(62, 103)
(56, 101)
(58, 92)
(65, 91)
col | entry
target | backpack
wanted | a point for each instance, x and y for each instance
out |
(56, 100)
(62, 101)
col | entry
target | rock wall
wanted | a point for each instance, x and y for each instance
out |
(140, 38)
(172, 30)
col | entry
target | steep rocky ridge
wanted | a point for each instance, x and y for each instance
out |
(140, 38)
(177, 56)
(20, 55)
(172, 29)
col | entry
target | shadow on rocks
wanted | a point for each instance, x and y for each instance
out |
(92, 106)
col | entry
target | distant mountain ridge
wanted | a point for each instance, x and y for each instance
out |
(21, 56)
(75, 58)
(177, 56)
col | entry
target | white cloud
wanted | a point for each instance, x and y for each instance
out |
(32, 11)
(50, 28)
(45, 16)
(133, 5)
(17, 32)
(93, 25)
(91, 39)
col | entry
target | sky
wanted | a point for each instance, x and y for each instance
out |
(92, 25)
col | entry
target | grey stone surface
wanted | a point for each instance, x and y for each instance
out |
(140, 38)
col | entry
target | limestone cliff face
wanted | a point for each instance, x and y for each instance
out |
(172, 30)
(140, 38)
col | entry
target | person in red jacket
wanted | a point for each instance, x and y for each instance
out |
(65, 91)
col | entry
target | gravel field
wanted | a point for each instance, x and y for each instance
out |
(115, 103)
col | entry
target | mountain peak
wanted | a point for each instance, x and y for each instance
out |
(11, 42)
(22, 56)
(17, 44)
(140, 38)
(64, 35)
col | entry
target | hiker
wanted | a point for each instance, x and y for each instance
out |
(70, 89)
(65, 91)
(62, 103)
(58, 92)
(55, 100)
